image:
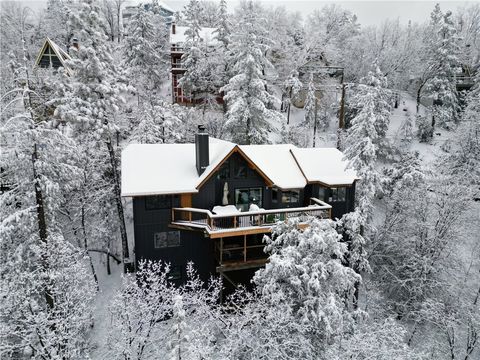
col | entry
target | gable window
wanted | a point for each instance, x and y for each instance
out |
(246, 197)
(338, 194)
(158, 202)
(239, 170)
(290, 196)
(166, 239)
(224, 171)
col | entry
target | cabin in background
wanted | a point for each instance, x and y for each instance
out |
(177, 43)
(212, 202)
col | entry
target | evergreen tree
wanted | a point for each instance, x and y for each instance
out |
(145, 48)
(91, 97)
(47, 293)
(311, 104)
(306, 270)
(443, 56)
(248, 101)
(194, 51)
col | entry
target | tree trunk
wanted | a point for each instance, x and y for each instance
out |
(419, 93)
(118, 200)
(84, 232)
(41, 220)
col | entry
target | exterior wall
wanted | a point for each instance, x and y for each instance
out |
(193, 245)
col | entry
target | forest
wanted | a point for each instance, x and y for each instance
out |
(400, 100)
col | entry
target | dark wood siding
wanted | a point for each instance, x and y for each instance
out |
(193, 245)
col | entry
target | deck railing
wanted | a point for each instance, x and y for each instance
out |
(216, 222)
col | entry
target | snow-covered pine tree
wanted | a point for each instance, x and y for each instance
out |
(364, 140)
(443, 53)
(158, 124)
(223, 25)
(47, 292)
(144, 50)
(248, 115)
(222, 36)
(306, 270)
(311, 104)
(91, 97)
(194, 51)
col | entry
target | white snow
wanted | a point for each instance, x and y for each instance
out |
(225, 210)
(277, 162)
(206, 34)
(324, 165)
(156, 169)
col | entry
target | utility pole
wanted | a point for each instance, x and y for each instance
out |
(341, 118)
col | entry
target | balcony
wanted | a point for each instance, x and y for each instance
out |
(244, 223)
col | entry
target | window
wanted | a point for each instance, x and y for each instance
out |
(322, 194)
(290, 196)
(245, 197)
(239, 170)
(224, 171)
(338, 194)
(275, 196)
(166, 239)
(158, 202)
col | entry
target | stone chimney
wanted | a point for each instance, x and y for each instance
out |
(201, 149)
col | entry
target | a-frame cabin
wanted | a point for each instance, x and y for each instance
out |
(52, 56)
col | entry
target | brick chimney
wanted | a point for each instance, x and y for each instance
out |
(201, 149)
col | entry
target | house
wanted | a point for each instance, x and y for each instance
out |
(52, 56)
(177, 40)
(132, 7)
(211, 202)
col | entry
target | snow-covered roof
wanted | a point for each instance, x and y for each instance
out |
(207, 34)
(324, 165)
(171, 169)
(277, 163)
(155, 169)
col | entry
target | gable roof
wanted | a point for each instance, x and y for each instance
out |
(324, 165)
(49, 51)
(277, 163)
(156, 169)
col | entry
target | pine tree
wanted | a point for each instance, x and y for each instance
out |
(194, 51)
(47, 292)
(306, 270)
(91, 97)
(248, 101)
(311, 104)
(443, 56)
(145, 48)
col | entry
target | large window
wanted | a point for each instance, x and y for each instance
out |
(245, 197)
(239, 170)
(338, 194)
(290, 196)
(224, 171)
(158, 202)
(166, 239)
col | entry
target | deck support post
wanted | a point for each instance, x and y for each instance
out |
(244, 248)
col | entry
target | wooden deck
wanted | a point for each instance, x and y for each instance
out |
(243, 223)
